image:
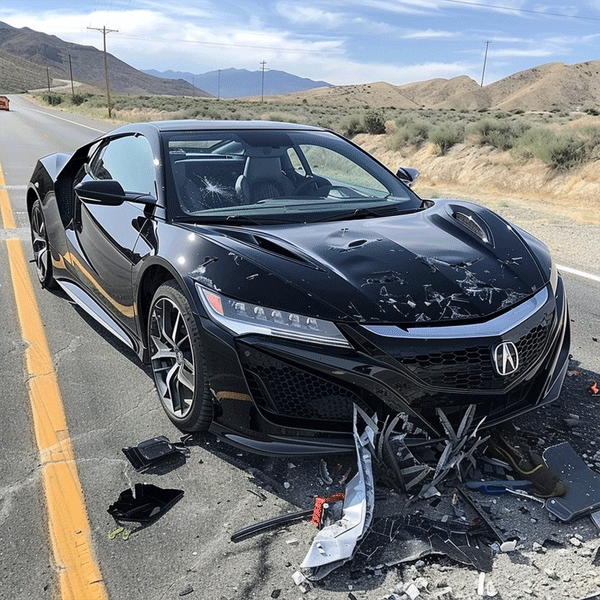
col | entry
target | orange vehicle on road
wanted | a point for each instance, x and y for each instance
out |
(4, 103)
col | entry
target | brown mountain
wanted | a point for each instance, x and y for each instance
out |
(553, 86)
(26, 54)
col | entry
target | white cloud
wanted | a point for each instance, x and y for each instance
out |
(520, 52)
(428, 34)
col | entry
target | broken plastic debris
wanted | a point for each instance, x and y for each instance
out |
(146, 505)
(262, 526)
(593, 389)
(412, 591)
(508, 546)
(481, 585)
(298, 578)
(151, 452)
(396, 540)
(336, 543)
(324, 473)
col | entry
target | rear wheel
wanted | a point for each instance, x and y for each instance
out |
(41, 248)
(177, 359)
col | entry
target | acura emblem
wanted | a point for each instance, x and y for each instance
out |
(505, 358)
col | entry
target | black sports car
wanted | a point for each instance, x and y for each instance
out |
(274, 275)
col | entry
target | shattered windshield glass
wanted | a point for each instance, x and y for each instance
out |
(264, 176)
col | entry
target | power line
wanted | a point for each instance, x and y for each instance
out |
(105, 31)
(523, 10)
(220, 45)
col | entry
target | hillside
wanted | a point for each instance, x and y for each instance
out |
(25, 51)
(553, 86)
(19, 75)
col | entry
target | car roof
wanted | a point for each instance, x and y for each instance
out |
(212, 125)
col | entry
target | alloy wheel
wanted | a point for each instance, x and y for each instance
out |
(172, 357)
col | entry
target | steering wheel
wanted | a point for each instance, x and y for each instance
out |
(306, 183)
(344, 191)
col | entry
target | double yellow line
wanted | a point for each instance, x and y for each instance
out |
(79, 576)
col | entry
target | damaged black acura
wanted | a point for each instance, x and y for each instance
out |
(275, 275)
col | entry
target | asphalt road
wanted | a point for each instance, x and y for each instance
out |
(110, 403)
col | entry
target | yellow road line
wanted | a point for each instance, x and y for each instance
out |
(78, 572)
(5, 210)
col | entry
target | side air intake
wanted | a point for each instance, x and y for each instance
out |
(472, 225)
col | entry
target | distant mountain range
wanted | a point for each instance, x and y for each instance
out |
(240, 83)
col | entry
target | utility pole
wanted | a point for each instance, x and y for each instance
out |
(104, 31)
(71, 72)
(48, 78)
(219, 85)
(484, 61)
(262, 89)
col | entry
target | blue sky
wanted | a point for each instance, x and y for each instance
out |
(342, 42)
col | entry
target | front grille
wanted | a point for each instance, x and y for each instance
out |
(290, 391)
(470, 367)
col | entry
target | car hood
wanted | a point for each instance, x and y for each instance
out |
(450, 261)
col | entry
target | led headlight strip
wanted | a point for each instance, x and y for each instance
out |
(244, 317)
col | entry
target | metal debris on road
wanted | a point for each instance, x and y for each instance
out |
(335, 544)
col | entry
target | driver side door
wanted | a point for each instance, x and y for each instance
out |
(103, 235)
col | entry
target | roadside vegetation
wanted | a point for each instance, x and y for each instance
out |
(561, 140)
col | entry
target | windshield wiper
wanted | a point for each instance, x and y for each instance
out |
(363, 212)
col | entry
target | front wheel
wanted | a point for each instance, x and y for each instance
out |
(177, 359)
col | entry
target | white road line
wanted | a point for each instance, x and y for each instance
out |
(578, 273)
(67, 120)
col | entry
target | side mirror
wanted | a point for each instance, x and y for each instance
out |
(109, 193)
(407, 175)
(101, 191)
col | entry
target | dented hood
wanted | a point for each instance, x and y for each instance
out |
(429, 266)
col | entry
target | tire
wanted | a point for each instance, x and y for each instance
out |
(177, 360)
(41, 247)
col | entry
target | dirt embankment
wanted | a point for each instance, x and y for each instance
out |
(562, 209)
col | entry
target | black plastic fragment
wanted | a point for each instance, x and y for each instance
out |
(147, 504)
(151, 452)
(252, 530)
(396, 540)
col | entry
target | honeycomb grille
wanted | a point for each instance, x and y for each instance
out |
(293, 392)
(471, 368)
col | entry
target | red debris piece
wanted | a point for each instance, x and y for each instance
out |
(318, 509)
(593, 389)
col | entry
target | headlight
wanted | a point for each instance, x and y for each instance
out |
(243, 317)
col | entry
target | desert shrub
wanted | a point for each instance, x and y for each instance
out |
(446, 136)
(281, 117)
(350, 126)
(498, 133)
(374, 122)
(567, 152)
(559, 150)
(592, 142)
(410, 133)
(52, 99)
(78, 99)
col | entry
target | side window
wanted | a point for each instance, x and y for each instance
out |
(129, 161)
(339, 169)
